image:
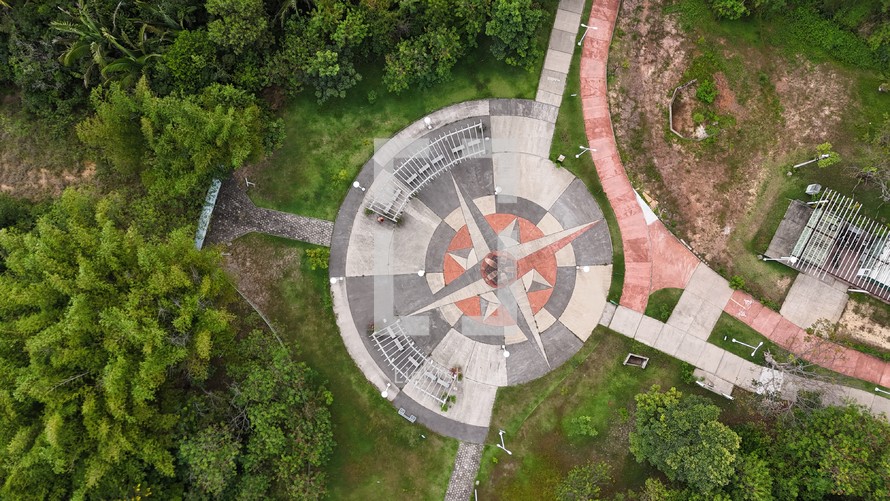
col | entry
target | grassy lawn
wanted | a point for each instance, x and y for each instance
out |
(327, 144)
(378, 455)
(539, 419)
(569, 134)
(662, 302)
(729, 328)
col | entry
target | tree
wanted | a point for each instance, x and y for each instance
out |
(423, 61)
(753, 480)
(287, 418)
(833, 451)
(191, 61)
(236, 24)
(97, 328)
(176, 144)
(826, 155)
(513, 28)
(876, 166)
(584, 482)
(210, 457)
(682, 437)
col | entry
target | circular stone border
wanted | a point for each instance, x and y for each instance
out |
(377, 268)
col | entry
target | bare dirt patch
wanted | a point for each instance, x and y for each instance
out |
(254, 264)
(858, 323)
(706, 190)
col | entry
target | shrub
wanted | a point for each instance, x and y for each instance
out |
(706, 91)
(737, 282)
(582, 426)
(317, 259)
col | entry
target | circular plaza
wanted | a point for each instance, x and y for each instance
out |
(464, 260)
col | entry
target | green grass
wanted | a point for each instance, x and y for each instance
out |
(378, 455)
(568, 135)
(326, 145)
(728, 328)
(537, 419)
(662, 302)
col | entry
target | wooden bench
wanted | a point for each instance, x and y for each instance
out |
(438, 159)
(405, 415)
(414, 362)
(423, 168)
(443, 383)
(457, 150)
(411, 178)
(398, 344)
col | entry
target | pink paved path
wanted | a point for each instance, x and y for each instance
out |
(653, 257)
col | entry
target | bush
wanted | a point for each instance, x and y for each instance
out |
(317, 259)
(737, 282)
(582, 426)
(706, 91)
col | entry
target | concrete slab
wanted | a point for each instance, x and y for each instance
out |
(572, 5)
(704, 321)
(552, 81)
(690, 349)
(749, 376)
(685, 311)
(563, 41)
(710, 286)
(567, 20)
(521, 135)
(712, 382)
(625, 321)
(487, 364)
(548, 97)
(710, 358)
(669, 340)
(585, 307)
(881, 405)
(648, 331)
(789, 230)
(608, 313)
(730, 366)
(557, 61)
(811, 299)
(531, 177)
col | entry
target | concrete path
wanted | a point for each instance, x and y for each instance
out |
(463, 477)
(235, 215)
(655, 259)
(559, 52)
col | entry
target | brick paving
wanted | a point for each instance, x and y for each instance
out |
(463, 476)
(235, 215)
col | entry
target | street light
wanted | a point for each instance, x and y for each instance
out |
(584, 149)
(790, 259)
(586, 29)
(356, 184)
(385, 392)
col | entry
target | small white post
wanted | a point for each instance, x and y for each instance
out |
(501, 445)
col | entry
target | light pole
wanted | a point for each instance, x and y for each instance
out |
(791, 259)
(385, 392)
(584, 149)
(501, 445)
(356, 184)
(586, 29)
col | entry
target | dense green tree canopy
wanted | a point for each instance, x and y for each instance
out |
(682, 437)
(174, 143)
(95, 323)
(513, 28)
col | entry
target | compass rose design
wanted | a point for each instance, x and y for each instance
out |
(501, 269)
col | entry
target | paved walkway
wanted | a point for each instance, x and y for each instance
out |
(235, 215)
(463, 476)
(655, 259)
(559, 52)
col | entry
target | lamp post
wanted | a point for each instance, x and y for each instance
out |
(356, 184)
(586, 29)
(385, 392)
(791, 259)
(584, 149)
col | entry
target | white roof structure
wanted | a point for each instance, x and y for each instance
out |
(840, 241)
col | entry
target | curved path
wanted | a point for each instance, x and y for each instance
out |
(655, 259)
